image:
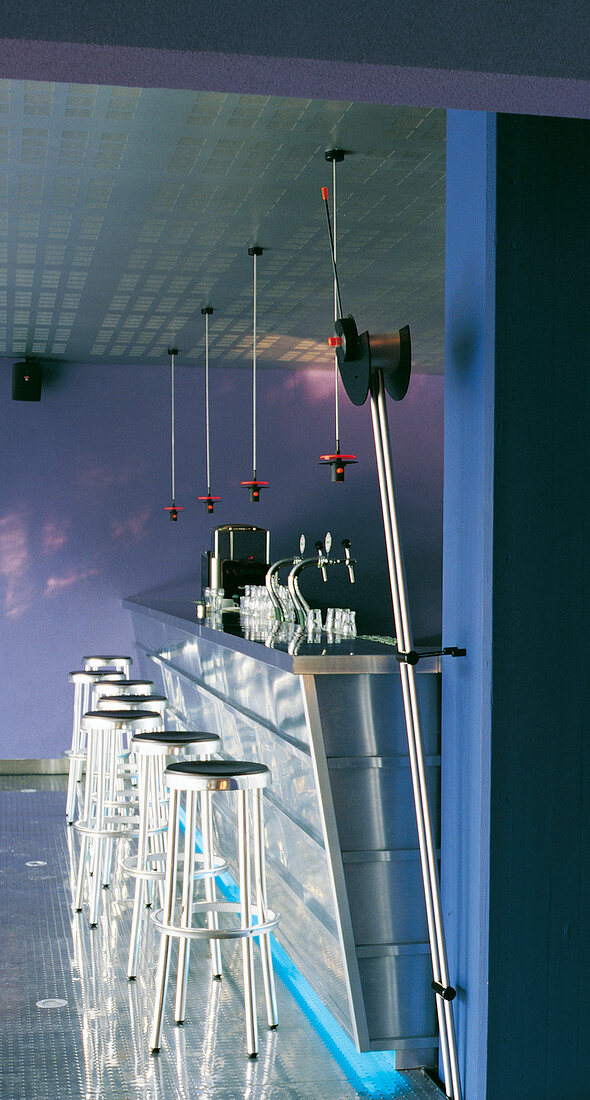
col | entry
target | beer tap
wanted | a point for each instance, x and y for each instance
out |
(321, 561)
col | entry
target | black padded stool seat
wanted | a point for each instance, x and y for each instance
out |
(232, 774)
(177, 737)
(131, 685)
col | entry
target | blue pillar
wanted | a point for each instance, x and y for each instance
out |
(516, 725)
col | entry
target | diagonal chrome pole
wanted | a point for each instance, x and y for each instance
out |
(428, 858)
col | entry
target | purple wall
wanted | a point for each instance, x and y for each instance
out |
(86, 476)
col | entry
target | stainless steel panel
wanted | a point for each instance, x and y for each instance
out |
(374, 805)
(396, 913)
(367, 714)
(393, 986)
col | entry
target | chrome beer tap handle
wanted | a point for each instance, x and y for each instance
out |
(322, 560)
(348, 561)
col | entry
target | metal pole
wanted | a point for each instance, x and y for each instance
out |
(336, 300)
(254, 378)
(423, 817)
(172, 410)
(207, 402)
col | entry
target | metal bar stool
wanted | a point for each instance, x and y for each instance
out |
(126, 687)
(109, 662)
(153, 752)
(129, 700)
(108, 811)
(132, 691)
(83, 681)
(175, 919)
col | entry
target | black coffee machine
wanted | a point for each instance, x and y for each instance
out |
(240, 555)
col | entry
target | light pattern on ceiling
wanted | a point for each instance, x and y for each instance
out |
(124, 211)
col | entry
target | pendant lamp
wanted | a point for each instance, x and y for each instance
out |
(337, 461)
(208, 500)
(173, 508)
(254, 486)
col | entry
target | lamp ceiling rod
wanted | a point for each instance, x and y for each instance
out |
(428, 860)
(254, 375)
(172, 353)
(207, 433)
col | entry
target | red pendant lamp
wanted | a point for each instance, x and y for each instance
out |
(207, 500)
(173, 508)
(254, 486)
(337, 461)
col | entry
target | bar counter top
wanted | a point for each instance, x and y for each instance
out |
(362, 654)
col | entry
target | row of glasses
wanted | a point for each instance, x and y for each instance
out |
(340, 622)
(213, 598)
(256, 604)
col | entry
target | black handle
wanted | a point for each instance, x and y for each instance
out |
(445, 991)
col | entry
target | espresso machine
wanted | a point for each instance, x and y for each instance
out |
(239, 555)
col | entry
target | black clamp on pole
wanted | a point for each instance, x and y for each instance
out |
(445, 991)
(412, 657)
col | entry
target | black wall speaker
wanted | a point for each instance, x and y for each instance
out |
(26, 381)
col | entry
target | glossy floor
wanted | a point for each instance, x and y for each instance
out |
(74, 1028)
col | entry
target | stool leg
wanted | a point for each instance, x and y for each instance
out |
(99, 811)
(75, 770)
(84, 844)
(246, 917)
(142, 846)
(264, 939)
(114, 787)
(188, 879)
(157, 840)
(167, 914)
(210, 891)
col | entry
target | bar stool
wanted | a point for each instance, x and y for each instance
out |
(175, 919)
(108, 661)
(124, 700)
(83, 680)
(109, 813)
(153, 751)
(124, 697)
(125, 687)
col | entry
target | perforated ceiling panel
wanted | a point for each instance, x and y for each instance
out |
(124, 211)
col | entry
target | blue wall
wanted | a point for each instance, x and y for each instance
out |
(86, 476)
(516, 766)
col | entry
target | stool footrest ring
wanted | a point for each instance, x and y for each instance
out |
(110, 827)
(130, 866)
(205, 907)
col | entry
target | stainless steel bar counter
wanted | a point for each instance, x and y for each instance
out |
(343, 860)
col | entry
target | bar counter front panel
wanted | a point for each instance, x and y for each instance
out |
(342, 845)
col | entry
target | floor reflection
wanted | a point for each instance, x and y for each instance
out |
(95, 1046)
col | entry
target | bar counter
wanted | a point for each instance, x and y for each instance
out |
(342, 845)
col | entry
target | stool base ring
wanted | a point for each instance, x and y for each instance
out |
(130, 866)
(115, 827)
(205, 907)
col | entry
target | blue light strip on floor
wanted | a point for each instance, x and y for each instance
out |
(374, 1074)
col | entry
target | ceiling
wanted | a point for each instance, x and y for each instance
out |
(124, 211)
